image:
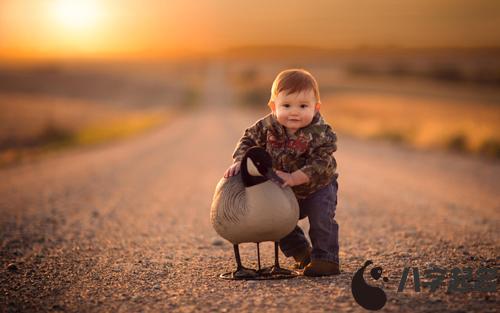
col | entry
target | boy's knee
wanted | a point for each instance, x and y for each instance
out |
(322, 215)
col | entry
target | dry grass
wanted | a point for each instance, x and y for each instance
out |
(250, 86)
(419, 122)
(31, 126)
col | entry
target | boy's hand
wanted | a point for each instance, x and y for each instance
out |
(287, 178)
(293, 179)
(232, 170)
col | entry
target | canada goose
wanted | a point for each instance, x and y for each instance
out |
(253, 207)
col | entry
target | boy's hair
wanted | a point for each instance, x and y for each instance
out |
(294, 80)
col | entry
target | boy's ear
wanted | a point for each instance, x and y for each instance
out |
(272, 106)
(318, 106)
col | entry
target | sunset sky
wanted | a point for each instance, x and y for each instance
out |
(31, 29)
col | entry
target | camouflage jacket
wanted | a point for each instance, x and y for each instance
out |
(310, 149)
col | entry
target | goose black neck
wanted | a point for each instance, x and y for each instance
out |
(249, 180)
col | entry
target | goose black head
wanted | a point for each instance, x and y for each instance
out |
(257, 167)
(376, 272)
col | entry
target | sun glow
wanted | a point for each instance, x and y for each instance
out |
(76, 14)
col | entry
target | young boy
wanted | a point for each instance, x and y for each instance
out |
(301, 144)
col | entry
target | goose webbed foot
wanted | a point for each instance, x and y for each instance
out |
(245, 273)
(277, 270)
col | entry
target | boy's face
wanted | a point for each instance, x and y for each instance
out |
(295, 110)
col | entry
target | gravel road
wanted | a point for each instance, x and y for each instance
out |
(125, 227)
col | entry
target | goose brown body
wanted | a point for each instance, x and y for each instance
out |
(262, 212)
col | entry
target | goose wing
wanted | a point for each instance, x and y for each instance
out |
(229, 201)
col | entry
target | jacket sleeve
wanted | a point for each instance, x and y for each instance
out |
(253, 136)
(321, 164)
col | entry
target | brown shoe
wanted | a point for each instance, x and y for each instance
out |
(321, 268)
(302, 258)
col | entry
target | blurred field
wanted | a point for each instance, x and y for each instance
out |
(444, 101)
(448, 100)
(30, 126)
(422, 123)
(50, 107)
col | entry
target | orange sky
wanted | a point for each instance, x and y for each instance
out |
(152, 28)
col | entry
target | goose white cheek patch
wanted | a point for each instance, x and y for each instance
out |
(252, 169)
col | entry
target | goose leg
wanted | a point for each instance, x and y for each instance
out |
(276, 255)
(258, 256)
(237, 256)
(276, 268)
(241, 271)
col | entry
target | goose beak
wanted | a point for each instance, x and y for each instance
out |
(272, 176)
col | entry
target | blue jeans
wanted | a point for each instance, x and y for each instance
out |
(324, 231)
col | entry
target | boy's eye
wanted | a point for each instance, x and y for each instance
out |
(286, 105)
(303, 105)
